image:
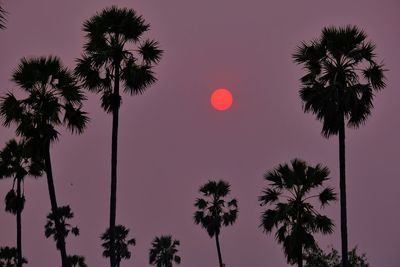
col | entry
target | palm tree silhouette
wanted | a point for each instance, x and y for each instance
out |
(116, 52)
(120, 244)
(214, 212)
(64, 213)
(290, 190)
(163, 252)
(53, 100)
(16, 163)
(342, 77)
(9, 257)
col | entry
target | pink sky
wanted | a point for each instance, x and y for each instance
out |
(171, 141)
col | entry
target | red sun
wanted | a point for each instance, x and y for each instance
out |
(221, 99)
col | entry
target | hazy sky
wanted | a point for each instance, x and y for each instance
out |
(171, 141)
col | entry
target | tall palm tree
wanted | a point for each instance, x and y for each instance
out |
(121, 244)
(342, 77)
(289, 193)
(115, 52)
(53, 100)
(214, 211)
(163, 252)
(16, 163)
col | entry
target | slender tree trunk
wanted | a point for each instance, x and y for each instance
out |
(218, 250)
(19, 227)
(54, 207)
(114, 146)
(342, 167)
(300, 257)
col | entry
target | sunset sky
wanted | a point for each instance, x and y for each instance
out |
(171, 140)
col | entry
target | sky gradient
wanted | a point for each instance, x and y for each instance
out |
(171, 141)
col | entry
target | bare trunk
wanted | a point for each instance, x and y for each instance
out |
(114, 146)
(300, 257)
(342, 169)
(218, 250)
(54, 207)
(343, 212)
(19, 226)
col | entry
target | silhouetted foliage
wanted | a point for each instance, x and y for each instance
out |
(163, 252)
(116, 52)
(291, 187)
(9, 257)
(64, 214)
(77, 261)
(54, 100)
(16, 163)
(342, 77)
(214, 211)
(318, 258)
(121, 244)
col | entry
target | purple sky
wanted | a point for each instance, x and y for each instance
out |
(171, 141)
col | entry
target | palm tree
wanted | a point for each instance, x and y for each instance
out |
(53, 100)
(289, 193)
(9, 257)
(116, 52)
(342, 77)
(214, 212)
(121, 244)
(163, 252)
(16, 162)
(64, 213)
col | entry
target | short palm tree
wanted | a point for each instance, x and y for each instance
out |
(121, 244)
(53, 100)
(16, 163)
(342, 77)
(116, 53)
(291, 187)
(163, 252)
(214, 211)
(64, 213)
(9, 257)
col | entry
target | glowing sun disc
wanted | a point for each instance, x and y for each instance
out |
(221, 99)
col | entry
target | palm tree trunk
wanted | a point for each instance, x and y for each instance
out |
(54, 207)
(218, 250)
(300, 257)
(114, 141)
(343, 212)
(19, 231)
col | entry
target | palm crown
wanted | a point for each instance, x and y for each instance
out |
(54, 100)
(289, 192)
(121, 243)
(16, 162)
(341, 78)
(163, 252)
(213, 210)
(115, 46)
